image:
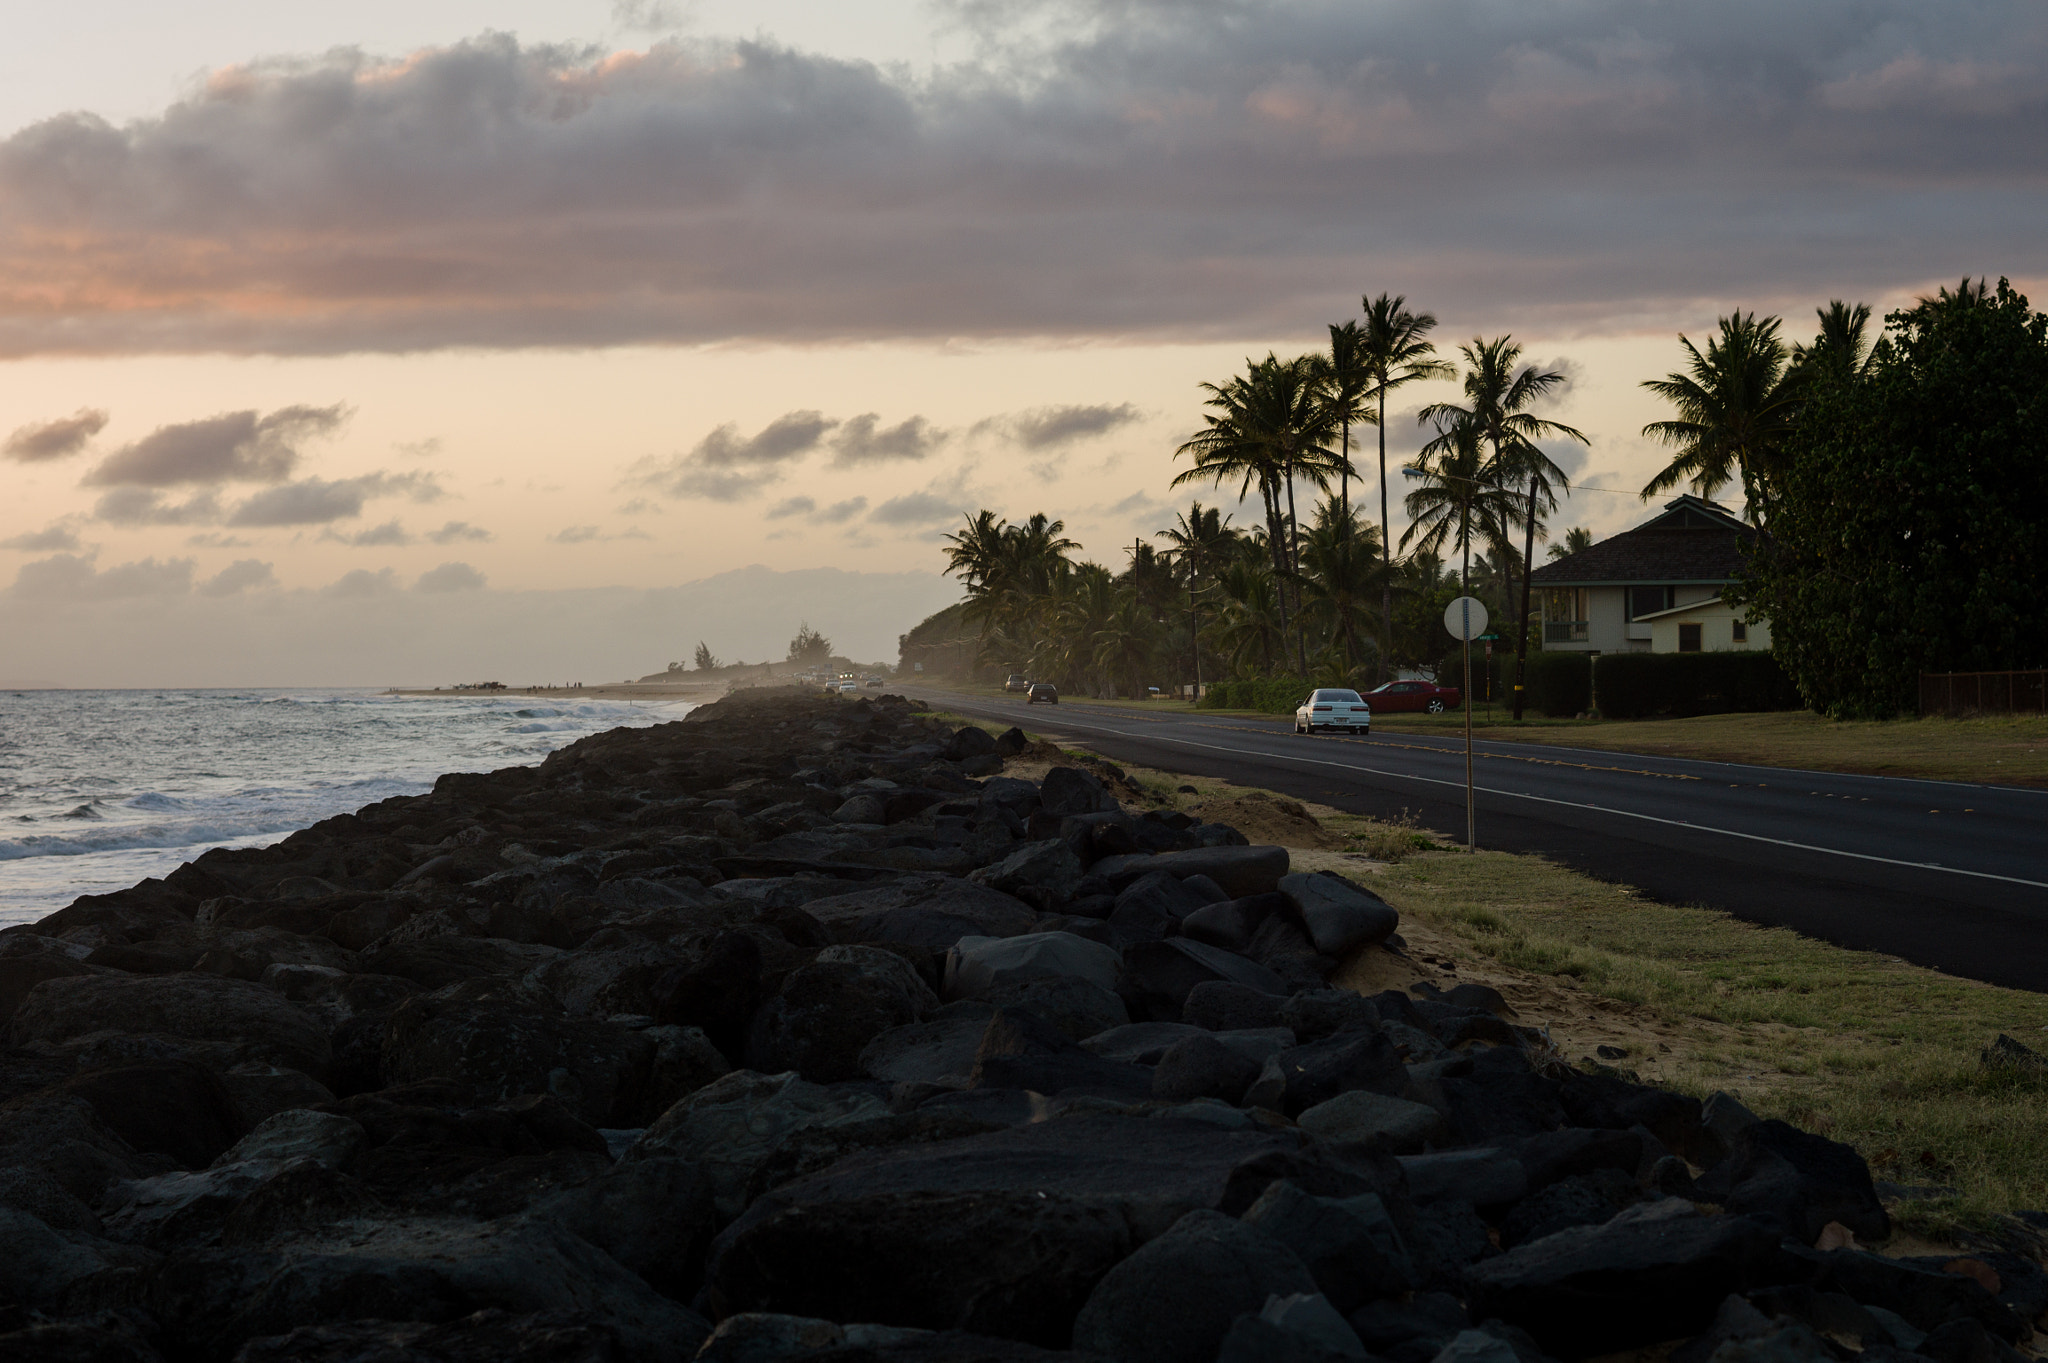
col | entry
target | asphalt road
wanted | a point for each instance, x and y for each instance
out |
(1940, 873)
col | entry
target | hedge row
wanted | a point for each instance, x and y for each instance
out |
(1636, 685)
(1272, 695)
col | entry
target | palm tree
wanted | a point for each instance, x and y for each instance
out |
(1346, 387)
(1734, 411)
(1456, 500)
(1575, 539)
(1398, 352)
(1126, 643)
(1841, 350)
(1249, 629)
(1341, 575)
(1199, 543)
(1269, 424)
(1498, 396)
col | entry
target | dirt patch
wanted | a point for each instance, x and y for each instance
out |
(1264, 818)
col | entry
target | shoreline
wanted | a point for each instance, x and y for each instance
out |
(802, 1024)
(694, 691)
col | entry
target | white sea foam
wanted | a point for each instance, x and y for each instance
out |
(99, 789)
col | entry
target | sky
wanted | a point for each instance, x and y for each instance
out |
(396, 343)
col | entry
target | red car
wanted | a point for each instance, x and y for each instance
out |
(1413, 695)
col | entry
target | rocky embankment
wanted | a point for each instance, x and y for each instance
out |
(798, 1030)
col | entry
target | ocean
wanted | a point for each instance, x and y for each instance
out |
(100, 789)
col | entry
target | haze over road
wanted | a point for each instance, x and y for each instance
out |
(1939, 873)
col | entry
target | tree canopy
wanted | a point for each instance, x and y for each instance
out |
(1909, 520)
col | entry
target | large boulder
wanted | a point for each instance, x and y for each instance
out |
(208, 1303)
(1159, 976)
(1377, 1120)
(827, 1011)
(1005, 1233)
(656, 1216)
(165, 1107)
(732, 1127)
(601, 983)
(1201, 1066)
(20, 974)
(1152, 908)
(1652, 1274)
(1079, 1008)
(1339, 915)
(1175, 1299)
(1321, 1070)
(1798, 1182)
(505, 1048)
(928, 910)
(487, 1336)
(1069, 790)
(1349, 1245)
(1021, 1050)
(979, 966)
(1239, 870)
(256, 1021)
(939, 1050)
(1042, 873)
(37, 1263)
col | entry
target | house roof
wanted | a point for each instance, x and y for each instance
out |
(1691, 541)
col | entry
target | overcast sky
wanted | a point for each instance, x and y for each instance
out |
(308, 306)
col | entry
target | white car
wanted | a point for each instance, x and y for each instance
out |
(1329, 708)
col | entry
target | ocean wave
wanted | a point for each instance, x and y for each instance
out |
(150, 799)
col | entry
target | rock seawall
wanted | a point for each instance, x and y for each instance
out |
(798, 1030)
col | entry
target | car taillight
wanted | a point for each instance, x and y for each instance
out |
(1322, 707)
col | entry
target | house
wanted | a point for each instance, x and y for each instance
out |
(1653, 589)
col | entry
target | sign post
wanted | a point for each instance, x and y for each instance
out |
(1465, 618)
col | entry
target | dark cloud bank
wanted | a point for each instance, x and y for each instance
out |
(1161, 170)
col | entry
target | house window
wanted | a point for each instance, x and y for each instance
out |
(1741, 631)
(1564, 603)
(1688, 638)
(1644, 601)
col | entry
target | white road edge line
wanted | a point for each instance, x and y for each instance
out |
(1577, 804)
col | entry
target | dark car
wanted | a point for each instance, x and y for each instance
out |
(1043, 691)
(1017, 681)
(1413, 695)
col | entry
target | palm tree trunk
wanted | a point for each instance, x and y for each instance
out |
(1386, 546)
(1277, 534)
(1344, 474)
(1294, 569)
(1522, 623)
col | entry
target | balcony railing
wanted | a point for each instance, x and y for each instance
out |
(1564, 631)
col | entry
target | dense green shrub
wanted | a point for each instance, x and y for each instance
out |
(1638, 685)
(1908, 523)
(1558, 684)
(1633, 685)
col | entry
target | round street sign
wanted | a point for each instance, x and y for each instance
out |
(1465, 618)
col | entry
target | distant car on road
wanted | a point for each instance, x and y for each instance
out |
(1414, 695)
(1043, 691)
(1018, 682)
(846, 687)
(1332, 707)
